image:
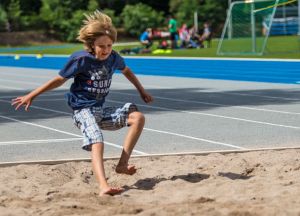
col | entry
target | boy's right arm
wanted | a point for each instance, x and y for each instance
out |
(26, 100)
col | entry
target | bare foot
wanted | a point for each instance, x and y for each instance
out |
(127, 169)
(111, 191)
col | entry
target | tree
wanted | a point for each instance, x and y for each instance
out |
(115, 19)
(3, 19)
(74, 25)
(14, 14)
(63, 19)
(93, 5)
(184, 10)
(211, 11)
(138, 17)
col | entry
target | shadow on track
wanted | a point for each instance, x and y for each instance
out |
(188, 99)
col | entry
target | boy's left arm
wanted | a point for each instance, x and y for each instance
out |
(127, 72)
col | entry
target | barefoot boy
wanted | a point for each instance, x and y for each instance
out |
(92, 71)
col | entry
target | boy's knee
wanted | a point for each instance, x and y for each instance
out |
(136, 118)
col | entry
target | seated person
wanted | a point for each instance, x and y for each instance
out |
(184, 36)
(145, 38)
(163, 45)
(206, 34)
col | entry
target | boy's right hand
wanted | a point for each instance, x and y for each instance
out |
(22, 101)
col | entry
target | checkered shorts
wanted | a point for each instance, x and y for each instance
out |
(91, 120)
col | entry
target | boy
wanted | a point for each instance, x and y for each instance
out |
(92, 71)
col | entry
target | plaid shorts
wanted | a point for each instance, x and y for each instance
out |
(91, 120)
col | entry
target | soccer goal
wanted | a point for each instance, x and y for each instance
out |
(256, 27)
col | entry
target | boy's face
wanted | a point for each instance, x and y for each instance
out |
(103, 47)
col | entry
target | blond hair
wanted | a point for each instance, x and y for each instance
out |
(96, 24)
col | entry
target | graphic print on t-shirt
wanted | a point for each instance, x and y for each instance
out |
(100, 80)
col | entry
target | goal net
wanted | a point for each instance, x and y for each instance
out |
(261, 26)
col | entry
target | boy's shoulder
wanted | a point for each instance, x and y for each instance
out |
(114, 53)
(115, 56)
(81, 54)
(88, 57)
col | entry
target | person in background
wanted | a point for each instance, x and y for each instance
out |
(145, 38)
(206, 35)
(184, 36)
(172, 26)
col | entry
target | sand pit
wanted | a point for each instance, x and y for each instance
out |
(251, 183)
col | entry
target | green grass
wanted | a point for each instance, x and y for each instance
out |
(278, 47)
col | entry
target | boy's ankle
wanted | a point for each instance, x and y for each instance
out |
(103, 186)
(126, 169)
(122, 164)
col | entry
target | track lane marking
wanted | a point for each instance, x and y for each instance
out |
(63, 132)
(214, 104)
(17, 142)
(213, 115)
(149, 129)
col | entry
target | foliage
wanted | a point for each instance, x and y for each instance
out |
(92, 5)
(14, 14)
(74, 25)
(62, 18)
(138, 17)
(115, 19)
(3, 19)
(208, 11)
(213, 12)
(184, 10)
(118, 5)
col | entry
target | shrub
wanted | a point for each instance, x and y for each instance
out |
(136, 18)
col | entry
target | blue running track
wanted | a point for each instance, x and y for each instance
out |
(275, 71)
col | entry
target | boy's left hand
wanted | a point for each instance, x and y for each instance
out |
(147, 98)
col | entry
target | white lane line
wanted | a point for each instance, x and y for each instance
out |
(177, 100)
(176, 110)
(120, 83)
(41, 126)
(213, 104)
(63, 132)
(227, 93)
(23, 82)
(27, 75)
(55, 99)
(46, 94)
(183, 111)
(38, 141)
(121, 147)
(154, 86)
(30, 83)
(149, 129)
(145, 85)
(212, 115)
(195, 138)
(9, 87)
(263, 96)
(41, 108)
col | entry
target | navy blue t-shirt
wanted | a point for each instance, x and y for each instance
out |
(92, 78)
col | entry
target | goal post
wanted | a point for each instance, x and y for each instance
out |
(250, 24)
